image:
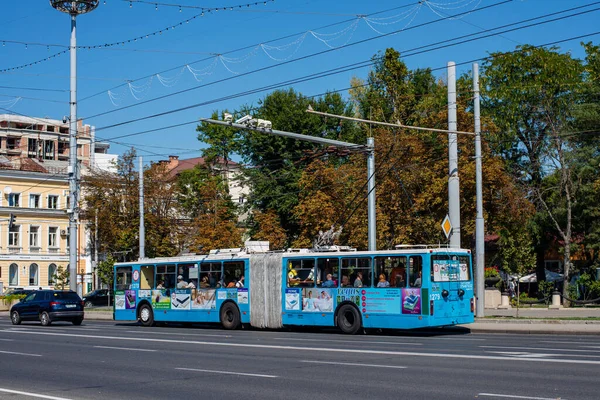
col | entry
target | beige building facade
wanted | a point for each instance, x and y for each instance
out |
(34, 201)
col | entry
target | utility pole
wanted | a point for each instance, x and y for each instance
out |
(453, 182)
(479, 222)
(253, 125)
(73, 8)
(142, 229)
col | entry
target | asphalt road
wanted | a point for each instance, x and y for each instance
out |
(105, 360)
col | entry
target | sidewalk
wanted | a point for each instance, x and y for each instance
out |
(574, 321)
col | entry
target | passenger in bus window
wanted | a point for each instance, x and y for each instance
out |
(181, 284)
(358, 281)
(161, 284)
(329, 282)
(212, 281)
(382, 281)
(398, 270)
(418, 280)
(240, 282)
(293, 279)
(345, 281)
(204, 282)
(400, 282)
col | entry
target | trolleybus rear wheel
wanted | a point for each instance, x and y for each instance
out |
(348, 319)
(146, 315)
(230, 316)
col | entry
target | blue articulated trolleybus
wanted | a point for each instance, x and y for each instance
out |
(406, 288)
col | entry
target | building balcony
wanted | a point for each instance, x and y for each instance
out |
(34, 249)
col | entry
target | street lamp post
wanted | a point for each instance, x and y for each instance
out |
(73, 8)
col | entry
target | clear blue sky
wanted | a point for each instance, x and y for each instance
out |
(41, 30)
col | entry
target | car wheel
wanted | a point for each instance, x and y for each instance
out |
(146, 315)
(230, 316)
(348, 319)
(77, 321)
(45, 318)
(88, 304)
(15, 318)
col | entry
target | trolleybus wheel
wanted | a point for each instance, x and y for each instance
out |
(348, 319)
(146, 315)
(230, 316)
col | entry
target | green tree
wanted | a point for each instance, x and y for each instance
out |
(531, 95)
(105, 272)
(61, 278)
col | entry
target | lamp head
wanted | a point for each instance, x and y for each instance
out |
(74, 7)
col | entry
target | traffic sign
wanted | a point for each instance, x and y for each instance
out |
(447, 226)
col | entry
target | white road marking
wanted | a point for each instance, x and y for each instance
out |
(349, 341)
(7, 340)
(227, 372)
(305, 349)
(539, 348)
(180, 334)
(523, 354)
(557, 342)
(510, 396)
(122, 348)
(20, 354)
(39, 396)
(353, 364)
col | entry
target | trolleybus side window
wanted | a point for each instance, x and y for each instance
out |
(210, 274)
(184, 270)
(233, 271)
(304, 274)
(167, 274)
(356, 272)
(415, 271)
(147, 277)
(393, 271)
(123, 280)
(326, 267)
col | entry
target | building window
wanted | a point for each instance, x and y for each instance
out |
(32, 148)
(13, 236)
(14, 199)
(53, 236)
(241, 199)
(52, 274)
(33, 275)
(34, 237)
(34, 201)
(53, 201)
(48, 150)
(13, 275)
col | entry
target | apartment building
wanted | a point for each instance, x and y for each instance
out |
(34, 200)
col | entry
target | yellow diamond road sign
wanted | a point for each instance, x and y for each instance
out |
(447, 226)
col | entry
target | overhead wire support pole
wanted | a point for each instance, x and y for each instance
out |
(142, 228)
(479, 221)
(453, 179)
(370, 148)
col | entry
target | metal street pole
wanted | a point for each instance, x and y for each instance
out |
(479, 222)
(142, 229)
(453, 180)
(370, 147)
(73, 8)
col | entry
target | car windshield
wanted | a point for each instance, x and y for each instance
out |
(66, 296)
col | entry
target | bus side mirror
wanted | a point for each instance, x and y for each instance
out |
(461, 293)
(445, 293)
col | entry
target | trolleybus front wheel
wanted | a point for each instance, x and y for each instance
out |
(146, 315)
(348, 319)
(230, 316)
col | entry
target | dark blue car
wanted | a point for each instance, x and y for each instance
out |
(47, 306)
